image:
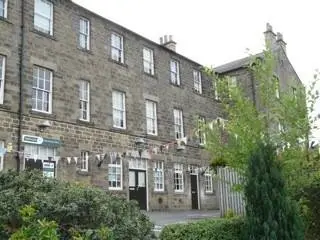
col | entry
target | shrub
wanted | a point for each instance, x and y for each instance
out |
(71, 206)
(270, 214)
(209, 229)
(309, 197)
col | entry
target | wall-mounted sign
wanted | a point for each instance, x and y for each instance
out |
(32, 139)
(41, 141)
(51, 142)
(49, 168)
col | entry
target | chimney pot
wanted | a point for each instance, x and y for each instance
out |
(269, 27)
(281, 42)
(279, 37)
(167, 41)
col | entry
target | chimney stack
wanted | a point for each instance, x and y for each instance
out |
(272, 40)
(281, 42)
(168, 42)
(270, 36)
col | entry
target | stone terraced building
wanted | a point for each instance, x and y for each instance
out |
(85, 99)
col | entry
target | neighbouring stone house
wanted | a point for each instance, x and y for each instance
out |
(85, 99)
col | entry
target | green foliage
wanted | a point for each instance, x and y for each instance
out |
(254, 119)
(35, 229)
(230, 214)
(270, 214)
(309, 197)
(71, 206)
(211, 229)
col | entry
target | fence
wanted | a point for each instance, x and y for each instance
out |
(228, 197)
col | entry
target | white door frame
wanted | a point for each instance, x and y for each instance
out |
(198, 190)
(143, 169)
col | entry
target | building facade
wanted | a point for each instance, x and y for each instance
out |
(87, 100)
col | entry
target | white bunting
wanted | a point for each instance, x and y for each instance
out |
(76, 159)
(69, 160)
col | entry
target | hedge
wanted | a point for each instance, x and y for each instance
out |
(209, 229)
(71, 206)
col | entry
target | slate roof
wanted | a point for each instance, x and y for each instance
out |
(243, 62)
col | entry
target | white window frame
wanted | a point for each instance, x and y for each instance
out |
(84, 161)
(2, 77)
(42, 90)
(49, 18)
(197, 81)
(120, 109)
(5, 8)
(232, 83)
(119, 50)
(86, 35)
(208, 182)
(151, 118)
(202, 135)
(114, 164)
(1, 155)
(175, 72)
(83, 101)
(159, 176)
(178, 180)
(148, 64)
(178, 123)
(277, 86)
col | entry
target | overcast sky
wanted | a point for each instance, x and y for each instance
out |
(216, 32)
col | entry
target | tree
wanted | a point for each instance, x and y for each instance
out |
(249, 121)
(270, 214)
(71, 206)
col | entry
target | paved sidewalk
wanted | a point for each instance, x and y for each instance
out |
(161, 219)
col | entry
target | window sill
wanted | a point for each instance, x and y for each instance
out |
(197, 92)
(3, 19)
(85, 50)
(116, 189)
(150, 75)
(85, 123)
(153, 137)
(118, 130)
(210, 193)
(202, 145)
(175, 84)
(83, 172)
(179, 192)
(43, 114)
(118, 63)
(160, 192)
(43, 34)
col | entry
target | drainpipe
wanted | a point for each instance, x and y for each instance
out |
(21, 69)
